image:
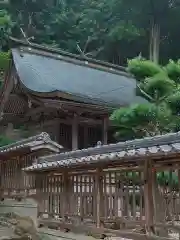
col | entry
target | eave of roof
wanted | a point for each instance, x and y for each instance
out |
(38, 142)
(153, 147)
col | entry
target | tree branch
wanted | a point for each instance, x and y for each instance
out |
(145, 94)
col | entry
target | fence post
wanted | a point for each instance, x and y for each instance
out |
(148, 196)
(65, 194)
(99, 196)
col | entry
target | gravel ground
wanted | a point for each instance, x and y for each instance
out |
(7, 232)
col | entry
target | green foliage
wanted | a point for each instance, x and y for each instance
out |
(174, 102)
(142, 68)
(115, 30)
(158, 86)
(124, 30)
(4, 64)
(141, 120)
(5, 27)
(167, 178)
(162, 113)
(4, 60)
(173, 70)
(4, 141)
(164, 178)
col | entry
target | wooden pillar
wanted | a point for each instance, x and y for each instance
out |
(9, 130)
(75, 133)
(85, 137)
(105, 131)
(99, 197)
(39, 192)
(148, 196)
(155, 194)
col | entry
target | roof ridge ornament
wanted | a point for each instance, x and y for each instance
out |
(26, 38)
(29, 103)
(1, 115)
(99, 144)
(83, 53)
(44, 136)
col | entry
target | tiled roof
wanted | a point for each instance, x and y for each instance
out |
(31, 142)
(139, 148)
(79, 80)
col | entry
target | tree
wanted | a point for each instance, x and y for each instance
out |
(159, 85)
(109, 30)
(5, 141)
(5, 29)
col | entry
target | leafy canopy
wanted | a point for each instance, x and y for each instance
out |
(159, 85)
(111, 30)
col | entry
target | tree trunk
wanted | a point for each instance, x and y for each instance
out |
(154, 43)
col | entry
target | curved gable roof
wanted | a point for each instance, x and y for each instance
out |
(78, 80)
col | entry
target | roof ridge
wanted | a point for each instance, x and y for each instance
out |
(68, 54)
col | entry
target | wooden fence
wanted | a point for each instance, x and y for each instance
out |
(14, 182)
(120, 196)
(104, 199)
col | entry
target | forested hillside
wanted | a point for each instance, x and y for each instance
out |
(110, 30)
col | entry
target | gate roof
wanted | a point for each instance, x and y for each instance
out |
(131, 153)
(38, 142)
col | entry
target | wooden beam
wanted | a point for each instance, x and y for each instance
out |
(35, 111)
(82, 107)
